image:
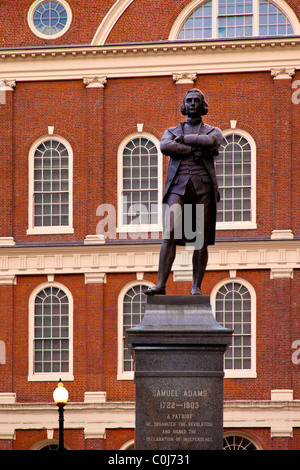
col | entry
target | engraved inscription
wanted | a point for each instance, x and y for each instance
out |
(179, 416)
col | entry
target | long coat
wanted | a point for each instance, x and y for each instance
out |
(177, 152)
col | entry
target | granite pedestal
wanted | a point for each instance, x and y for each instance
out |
(178, 351)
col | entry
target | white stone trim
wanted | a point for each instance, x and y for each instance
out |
(282, 273)
(279, 417)
(95, 82)
(127, 444)
(94, 397)
(283, 74)
(109, 21)
(7, 85)
(7, 241)
(7, 398)
(106, 258)
(94, 239)
(282, 395)
(8, 280)
(184, 78)
(160, 59)
(94, 418)
(95, 278)
(282, 235)
(50, 37)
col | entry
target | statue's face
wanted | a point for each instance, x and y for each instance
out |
(193, 104)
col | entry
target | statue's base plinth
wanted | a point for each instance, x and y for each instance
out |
(178, 350)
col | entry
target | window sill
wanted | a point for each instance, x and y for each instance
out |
(49, 230)
(125, 376)
(240, 374)
(236, 226)
(139, 228)
(53, 377)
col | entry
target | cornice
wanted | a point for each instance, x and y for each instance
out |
(281, 257)
(162, 46)
(280, 417)
(140, 59)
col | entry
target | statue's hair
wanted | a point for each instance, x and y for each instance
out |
(204, 109)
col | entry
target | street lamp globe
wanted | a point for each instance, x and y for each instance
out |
(60, 394)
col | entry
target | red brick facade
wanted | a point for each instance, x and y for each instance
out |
(94, 121)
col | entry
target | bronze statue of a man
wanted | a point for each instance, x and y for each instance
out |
(191, 182)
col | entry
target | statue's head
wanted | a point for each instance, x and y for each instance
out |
(200, 106)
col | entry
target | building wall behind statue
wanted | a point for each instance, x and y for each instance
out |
(95, 121)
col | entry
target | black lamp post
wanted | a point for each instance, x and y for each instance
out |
(60, 396)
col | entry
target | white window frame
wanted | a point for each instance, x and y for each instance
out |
(38, 33)
(138, 228)
(57, 229)
(248, 225)
(53, 376)
(240, 373)
(121, 374)
(194, 4)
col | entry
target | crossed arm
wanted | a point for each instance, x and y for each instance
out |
(183, 145)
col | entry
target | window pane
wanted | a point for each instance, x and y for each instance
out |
(133, 311)
(140, 174)
(50, 17)
(233, 311)
(233, 169)
(51, 185)
(235, 19)
(199, 23)
(272, 22)
(48, 343)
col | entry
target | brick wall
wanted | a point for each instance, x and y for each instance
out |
(68, 107)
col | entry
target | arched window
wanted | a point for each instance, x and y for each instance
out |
(215, 19)
(50, 186)
(140, 184)
(132, 302)
(51, 333)
(239, 442)
(236, 174)
(47, 444)
(234, 307)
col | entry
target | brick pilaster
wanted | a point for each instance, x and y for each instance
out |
(282, 149)
(6, 161)
(95, 149)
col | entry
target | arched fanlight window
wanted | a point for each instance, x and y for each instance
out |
(51, 333)
(214, 19)
(238, 442)
(234, 306)
(131, 309)
(50, 186)
(236, 174)
(140, 184)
